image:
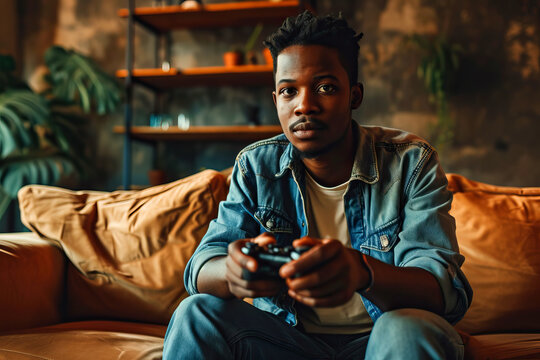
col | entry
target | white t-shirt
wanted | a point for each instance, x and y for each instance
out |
(326, 217)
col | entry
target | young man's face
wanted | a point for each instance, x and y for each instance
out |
(314, 98)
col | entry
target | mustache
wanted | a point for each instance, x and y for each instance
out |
(311, 122)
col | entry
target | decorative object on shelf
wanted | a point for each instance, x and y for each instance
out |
(183, 121)
(190, 4)
(253, 114)
(40, 139)
(251, 56)
(233, 58)
(163, 121)
(438, 68)
(267, 55)
(246, 54)
(165, 66)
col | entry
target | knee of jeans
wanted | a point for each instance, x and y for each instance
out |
(193, 305)
(409, 322)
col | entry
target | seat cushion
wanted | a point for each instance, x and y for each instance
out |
(498, 232)
(128, 249)
(503, 347)
(87, 340)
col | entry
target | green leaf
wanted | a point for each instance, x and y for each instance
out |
(76, 78)
(32, 169)
(20, 111)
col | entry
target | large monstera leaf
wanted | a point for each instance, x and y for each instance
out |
(76, 78)
(22, 112)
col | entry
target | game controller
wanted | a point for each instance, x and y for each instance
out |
(270, 258)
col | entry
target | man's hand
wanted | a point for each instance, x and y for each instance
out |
(237, 261)
(330, 273)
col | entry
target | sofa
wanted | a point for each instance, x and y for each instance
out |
(100, 273)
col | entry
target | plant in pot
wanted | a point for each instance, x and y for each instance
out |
(438, 68)
(239, 56)
(40, 133)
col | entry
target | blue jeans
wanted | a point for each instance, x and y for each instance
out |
(207, 327)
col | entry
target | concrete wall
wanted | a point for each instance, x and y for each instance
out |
(496, 107)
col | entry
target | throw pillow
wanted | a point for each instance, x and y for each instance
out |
(498, 232)
(128, 249)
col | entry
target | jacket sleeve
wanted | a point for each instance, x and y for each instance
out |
(234, 222)
(428, 239)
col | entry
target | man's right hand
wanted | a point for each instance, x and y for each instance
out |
(236, 261)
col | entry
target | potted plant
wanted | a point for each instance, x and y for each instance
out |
(438, 68)
(40, 138)
(246, 54)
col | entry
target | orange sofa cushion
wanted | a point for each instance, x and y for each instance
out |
(85, 340)
(128, 249)
(498, 231)
(32, 278)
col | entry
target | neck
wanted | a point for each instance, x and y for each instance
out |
(334, 167)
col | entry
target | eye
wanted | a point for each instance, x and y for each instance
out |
(327, 89)
(287, 91)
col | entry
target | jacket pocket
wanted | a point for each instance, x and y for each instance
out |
(384, 237)
(273, 220)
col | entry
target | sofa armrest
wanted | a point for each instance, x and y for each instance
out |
(32, 281)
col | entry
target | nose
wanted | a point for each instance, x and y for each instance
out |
(306, 104)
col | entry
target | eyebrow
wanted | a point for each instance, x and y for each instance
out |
(319, 77)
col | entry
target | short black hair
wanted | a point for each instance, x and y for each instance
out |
(308, 29)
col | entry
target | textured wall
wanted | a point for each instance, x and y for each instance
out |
(496, 107)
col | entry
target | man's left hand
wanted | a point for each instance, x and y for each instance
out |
(330, 273)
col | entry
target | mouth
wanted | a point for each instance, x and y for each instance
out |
(305, 129)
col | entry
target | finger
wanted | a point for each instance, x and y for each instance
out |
(328, 272)
(323, 290)
(311, 259)
(256, 288)
(306, 241)
(264, 239)
(243, 260)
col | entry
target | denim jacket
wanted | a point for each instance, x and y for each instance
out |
(396, 207)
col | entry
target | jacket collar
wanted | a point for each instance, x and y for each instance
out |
(365, 161)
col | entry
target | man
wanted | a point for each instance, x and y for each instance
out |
(382, 277)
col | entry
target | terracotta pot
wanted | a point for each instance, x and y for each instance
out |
(233, 58)
(267, 56)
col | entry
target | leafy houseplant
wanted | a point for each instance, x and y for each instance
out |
(438, 67)
(40, 132)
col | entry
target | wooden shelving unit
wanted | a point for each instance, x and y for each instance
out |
(163, 19)
(203, 133)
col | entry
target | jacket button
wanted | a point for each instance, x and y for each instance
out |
(269, 224)
(384, 241)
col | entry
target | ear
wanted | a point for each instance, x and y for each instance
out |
(274, 97)
(357, 94)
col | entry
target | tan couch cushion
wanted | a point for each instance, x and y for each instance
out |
(498, 231)
(128, 248)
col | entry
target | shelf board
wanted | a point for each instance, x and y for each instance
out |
(203, 133)
(165, 18)
(241, 75)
